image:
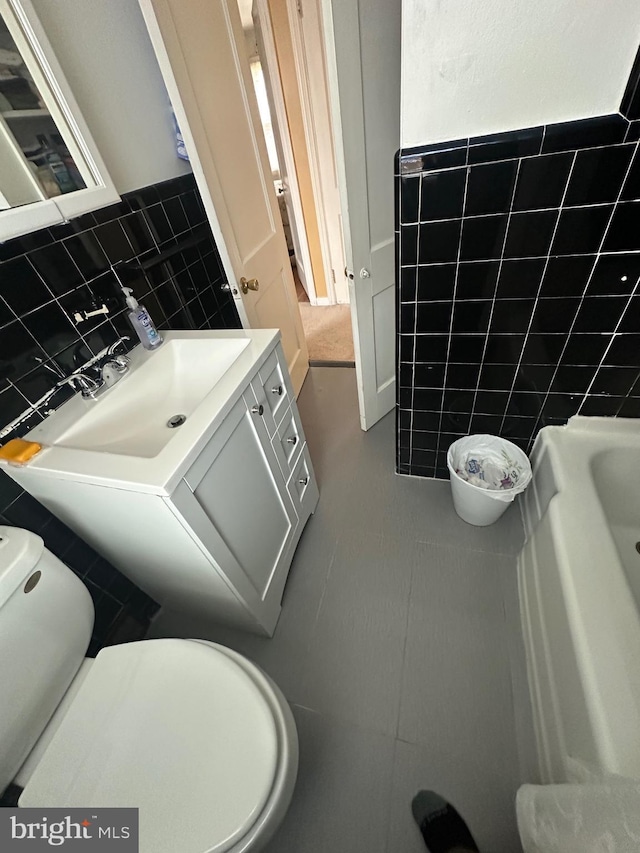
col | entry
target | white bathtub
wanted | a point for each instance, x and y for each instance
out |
(579, 583)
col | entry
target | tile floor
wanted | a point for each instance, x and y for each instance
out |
(398, 647)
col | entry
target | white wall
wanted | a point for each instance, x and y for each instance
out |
(471, 67)
(106, 55)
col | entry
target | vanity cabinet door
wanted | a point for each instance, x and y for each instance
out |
(241, 508)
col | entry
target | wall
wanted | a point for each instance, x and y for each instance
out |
(519, 275)
(106, 54)
(44, 277)
(471, 68)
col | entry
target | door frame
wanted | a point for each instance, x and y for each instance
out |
(275, 96)
(374, 399)
(316, 126)
(198, 43)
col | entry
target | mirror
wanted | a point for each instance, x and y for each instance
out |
(35, 162)
(50, 169)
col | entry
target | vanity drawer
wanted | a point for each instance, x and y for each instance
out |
(255, 395)
(290, 436)
(274, 380)
(302, 485)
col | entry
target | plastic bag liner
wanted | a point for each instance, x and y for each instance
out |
(493, 466)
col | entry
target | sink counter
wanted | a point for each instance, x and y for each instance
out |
(124, 442)
(204, 516)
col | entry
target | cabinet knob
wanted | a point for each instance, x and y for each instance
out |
(293, 439)
(257, 410)
(277, 389)
(303, 480)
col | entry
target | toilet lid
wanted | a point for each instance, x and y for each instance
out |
(173, 727)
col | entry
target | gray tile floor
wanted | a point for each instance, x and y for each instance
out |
(398, 647)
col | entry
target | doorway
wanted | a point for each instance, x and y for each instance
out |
(285, 48)
(201, 52)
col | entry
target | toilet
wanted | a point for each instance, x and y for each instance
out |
(190, 732)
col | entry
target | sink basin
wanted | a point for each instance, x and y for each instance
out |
(124, 440)
(132, 418)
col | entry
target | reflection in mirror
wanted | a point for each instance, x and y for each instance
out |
(35, 162)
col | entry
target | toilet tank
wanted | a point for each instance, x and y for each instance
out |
(46, 619)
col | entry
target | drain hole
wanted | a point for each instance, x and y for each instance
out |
(176, 421)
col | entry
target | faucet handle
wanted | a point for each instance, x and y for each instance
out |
(114, 346)
(121, 362)
(87, 385)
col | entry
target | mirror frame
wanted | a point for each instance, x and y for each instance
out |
(38, 55)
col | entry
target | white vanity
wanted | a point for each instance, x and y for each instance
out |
(204, 516)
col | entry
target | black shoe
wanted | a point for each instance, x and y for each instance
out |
(442, 828)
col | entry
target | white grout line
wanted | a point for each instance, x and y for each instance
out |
(537, 296)
(603, 360)
(598, 253)
(535, 299)
(415, 316)
(495, 292)
(541, 153)
(513, 299)
(453, 302)
(533, 257)
(526, 212)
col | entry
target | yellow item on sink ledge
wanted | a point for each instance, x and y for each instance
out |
(18, 451)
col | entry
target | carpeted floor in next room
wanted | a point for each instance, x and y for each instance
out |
(327, 329)
(398, 647)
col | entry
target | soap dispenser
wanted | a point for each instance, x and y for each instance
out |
(141, 321)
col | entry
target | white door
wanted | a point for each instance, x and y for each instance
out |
(307, 33)
(363, 53)
(201, 51)
(291, 192)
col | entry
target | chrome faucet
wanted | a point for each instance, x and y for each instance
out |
(114, 346)
(88, 387)
(115, 366)
(108, 373)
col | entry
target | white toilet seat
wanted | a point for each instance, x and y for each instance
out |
(221, 779)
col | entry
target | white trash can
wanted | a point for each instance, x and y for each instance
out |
(487, 473)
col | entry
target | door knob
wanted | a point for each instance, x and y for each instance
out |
(247, 284)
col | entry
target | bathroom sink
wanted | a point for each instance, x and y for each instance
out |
(133, 417)
(160, 414)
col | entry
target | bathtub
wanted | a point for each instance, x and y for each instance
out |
(579, 587)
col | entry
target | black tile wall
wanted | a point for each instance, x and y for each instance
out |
(519, 284)
(44, 278)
